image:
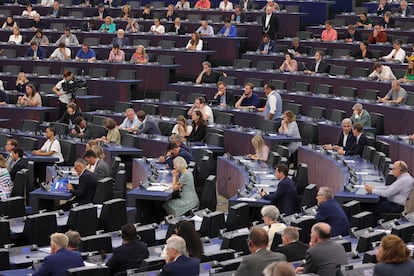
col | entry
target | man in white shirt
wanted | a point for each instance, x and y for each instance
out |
(397, 54)
(61, 53)
(205, 29)
(131, 122)
(382, 72)
(200, 104)
(51, 147)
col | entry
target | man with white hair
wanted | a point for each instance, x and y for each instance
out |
(131, 122)
(346, 139)
(360, 115)
(61, 258)
(177, 263)
(120, 39)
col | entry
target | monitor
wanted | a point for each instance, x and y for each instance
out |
(404, 231)
(147, 234)
(101, 242)
(113, 215)
(238, 217)
(83, 219)
(38, 228)
(211, 224)
(60, 184)
(236, 240)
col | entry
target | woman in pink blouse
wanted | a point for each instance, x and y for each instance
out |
(289, 65)
(329, 34)
(116, 54)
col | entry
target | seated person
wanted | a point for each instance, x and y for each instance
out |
(270, 215)
(15, 37)
(113, 135)
(290, 64)
(21, 82)
(393, 197)
(404, 10)
(199, 131)
(382, 72)
(178, 28)
(70, 114)
(195, 43)
(260, 148)
(361, 141)
(382, 7)
(291, 246)
(157, 28)
(329, 34)
(181, 127)
(296, 49)
(82, 129)
(131, 122)
(200, 104)
(170, 14)
(267, 45)
(228, 30)
(289, 127)
(51, 147)
(205, 29)
(397, 54)
(409, 75)
(96, 166)
(140, 56)
(387, 21)
(68, 38)
(120, 39)
(238, 16)
(319, 65)
(226, 5)
(116, 54)
(62, 53)
(37, 23)
(6, 184)
(223, 97)
(147, 13)
(360, 115)
(55, 10)
(248, 99)
(363, 51)
(182, 4)
(40, 38)
(31, 98)
(148, 125)
(202, 5)
(364, 21)
(86, 53)
(330, 212)
(173, 151)
(397, 94)
(35, 52)
(346, 139)
(126, 12)
(18, 162)
(132, 26)
(183, 183)
(208, 75)
(108, 26)
(29, 12)
(352, 34)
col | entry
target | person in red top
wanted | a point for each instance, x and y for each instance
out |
(377, 35)
(329, 34)
(203, 4)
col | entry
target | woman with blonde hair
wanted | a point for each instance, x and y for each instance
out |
(21, 82)
(182, 128)
(16, 37)
(6, 185)
(108, 26)
(260, 147)
(393, 255)
(195, 43)
(290, 128)
(139, 56)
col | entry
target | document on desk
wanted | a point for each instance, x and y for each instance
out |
(246, 199)
(159, 187)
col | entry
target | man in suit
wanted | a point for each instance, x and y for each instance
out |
(10, 145)
(324, 257)
(260, 257)
(97, 166)
(330, 212)
(285, 197)
(346, 139)
(120, 39)
(85, 190)
(361, 140)
(177, 264)
(292, 247)
(170, 14)
(18, 162)
(174, 150)
(247, 5)
(101, 12)
(148, 125)
(74, 240)
(35, 52)
(130, 254)
(238, 16)
(270, 23)
(177, 28)
(60, 259)
(82, 129)
(55, 10)
(267, 45)
(223, 97)
(404, 10)
(319, 65)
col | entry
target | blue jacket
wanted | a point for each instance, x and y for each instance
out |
(57, 264)
(332, 213)
(183, 266)
(385, 269)
(285, 197)
(149, 127)
(232, 32)
(40, 53)
(358, 148)
(272, 46)
(184, 154)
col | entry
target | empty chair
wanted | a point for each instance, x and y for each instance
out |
(99, 131)
(242, 63)
(76, 14)
(68, 149)
(377, 122)
(168, 96)
(282, 150)
(303, 35)
(359, 10)
(91, 41)
(241, 32)
(273, 159)
(301, 66)
(316, 112)
(60, 128)
(370, 94)
(278, 84)
(214, 139)
(229, 80)
(30, 125)
(98, 120)
(19, 183)
(28, 143)
(176, 111)
(359, 72)
(195, 17)
(166, 127)
(41, 70)
(66, 3)
(104, 190)
(301, 86)
(11, 69)
(309, 133)
(337, 115)
(410, 99)
(97, 72)
(224, 118)
(281, 48)
(301, 179)
(337, 70)
(126, 75)
(325, 89)
(267, 125)
(9, 53)
(402, 39)
(157, 4)
(151, 109)
(3, 138)
(129, 140)
(120, 107)
(120, 184)
(255, 81)
(294, 107)
(166, 44)
(143, 42)
(292, 8)
(338, 53)
(46, 88)
(58, 26)
(399, 73)
(338, 22)
(382, 146)
(89, 271)
(166, 60)
(38, 228)
(215, 18)
(324, 51)
(348, 92)
(263, 65)
(113, 215)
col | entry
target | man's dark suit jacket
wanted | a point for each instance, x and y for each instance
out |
(323, 67)
(183, 266)
(149, 127)
(40, 53)
(59, 13)
(20, 164)
(66, 117)
(127, 256)
(88, 132)
(273, 26)
(181, 30)
(272, 46)
(85, 190)
(253, 264)
(350, 141)
(184, 154)
(409, 11)
(242, 17)
(124, 42)
(358, 148)
(57, 264)
(105, 13)
(285, 197)
(294, 251)
(332, 213)
(171, 17)
(325, 258)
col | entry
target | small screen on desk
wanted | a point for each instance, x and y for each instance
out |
(60, 184)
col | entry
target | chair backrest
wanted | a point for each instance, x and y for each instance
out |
(268, 125)
(337, 70)
(399, 73)
(168, 96)
(214, 139)
(126, 74)
(215, 18)
(99, 131)
(30, 125)
(410, 99)
(337, 115)
(116, 161)
(13, 207)
(97, 72)
(120, 107)
(338, 53)
(303, 35)
(242, 63)
(279, 84)
(58, 26)
(282, 150)
(68, 149)
(263, 65)
(38, 228)
(195, 17)
(19, 184)
(229, 80)
(325, 89)
(9, 53)
(301, 86)
(89, 271)
(166, 44)
(255, 81)
(60, 128)
(120, 184)
(143, 42)
(208, 198)
(166, 127)
(323, 50)
(134, 4)
(92, 41)
(316, 112)
(358, 72)
(338, 22)
(224, 118)
(3, 139)
(309, 133)
(193, 96)
(41, 70)
(165, 60)
(98, 120)
(113, 215)
(28, 143)
(76, 14)
(157, 4)
(294, 107)
(11, 69)
(104, 190)
(359, 10)
(129, 140)
(273, 159)
(348, 92)
(151, 109)
(370, 94)
(301, 178)
(176, 111)
(83, 219)
(377, 122)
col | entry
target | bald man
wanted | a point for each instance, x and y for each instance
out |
(324, 256)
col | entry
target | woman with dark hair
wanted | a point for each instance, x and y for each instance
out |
(70, 114)
(113, 135)
(195, 43)
(32, 98)
(393, 257)
(290, 64)
(186, 230)
(363, 51)
(199, 127)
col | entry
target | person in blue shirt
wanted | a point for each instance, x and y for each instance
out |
(267, 45)
(228, 30)
(330, 212)
(248, 99)
(174, 150)
(35, 51)
(86, 53)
